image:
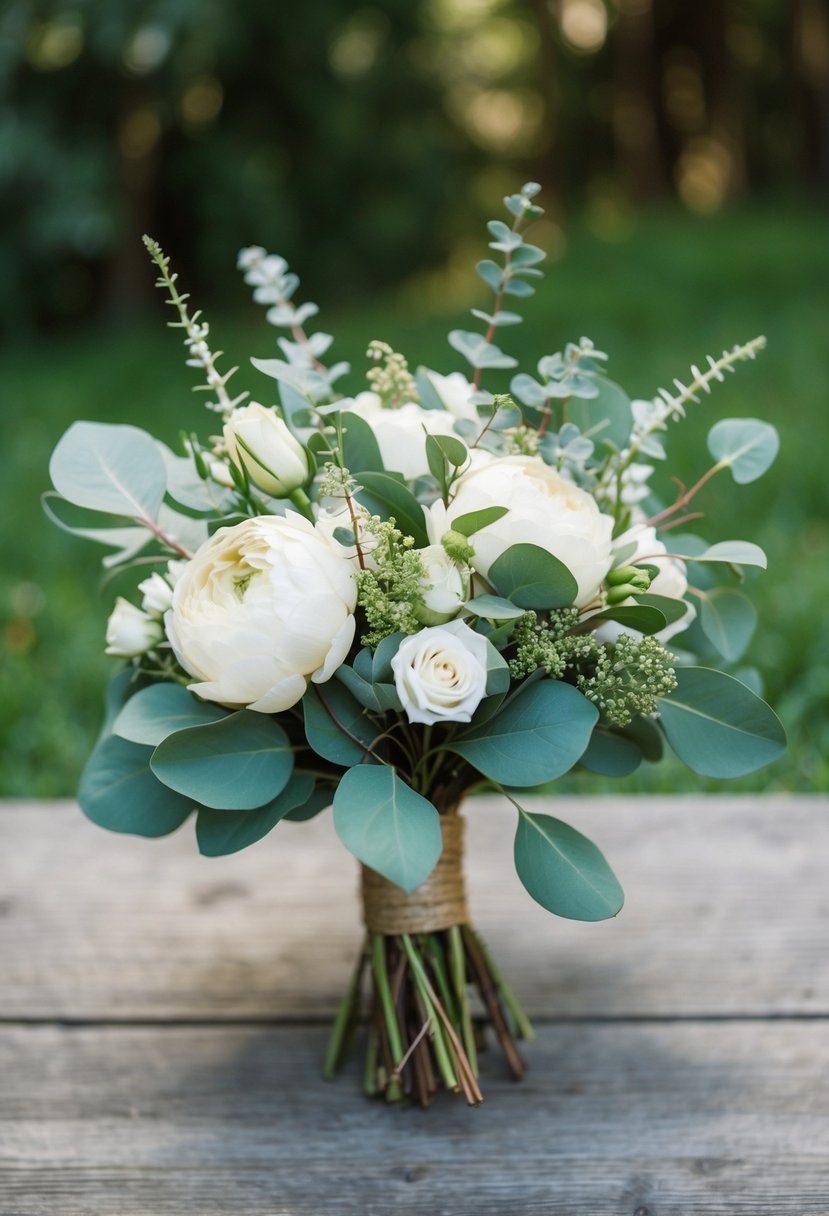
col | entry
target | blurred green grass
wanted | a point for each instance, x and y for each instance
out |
(676, 289)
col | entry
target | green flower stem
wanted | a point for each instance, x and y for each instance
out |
(425, 992)
(343, 1020)
(370, 1071)
(381, 979)
(431, 943)
(525, 1026)
(457, 965)
(302, 503)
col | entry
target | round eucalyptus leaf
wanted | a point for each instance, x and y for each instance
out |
(239, 762)
(610, 754)
(387, 826)
(728, 619)
(118, 791)
(109, 467)
(336, 725)
(746, 445)
(161, 709)
(532, 578)
(222, 832)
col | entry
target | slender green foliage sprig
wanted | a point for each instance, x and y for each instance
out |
(197, 333)
(520, 263)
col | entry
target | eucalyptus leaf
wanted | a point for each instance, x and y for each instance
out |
(564, 871)
(361, 451)
(611, 754)
(160, 710)
(126, 541)
(221, 832)
(477, 351)
(728, 619)
(385, 496)
(320, 800)
(493, 608)
(538, 735)
(336, 725)
(473, 521)
(717, 726)
(387, 826)
(533, 578)
(733, 552)
(239, 762)
(746, 446)
(110, 467)
(118, 791)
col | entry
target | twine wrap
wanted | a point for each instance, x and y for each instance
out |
(438, 903)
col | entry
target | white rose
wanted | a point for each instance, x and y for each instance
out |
(130, 631)
(157, 594)
(671, 580)
(542, 509)
(262, 607)
(445, 586)
(400, 433)
(258, 441)
(440, 673)
(454, 391)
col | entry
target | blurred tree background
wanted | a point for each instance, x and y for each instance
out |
(374, 138)
(684, 154)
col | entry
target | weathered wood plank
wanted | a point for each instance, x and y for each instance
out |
(622, 1119)
(726, 911)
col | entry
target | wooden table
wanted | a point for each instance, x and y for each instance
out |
(164, 1018)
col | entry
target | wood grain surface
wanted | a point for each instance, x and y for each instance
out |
(161, 1036)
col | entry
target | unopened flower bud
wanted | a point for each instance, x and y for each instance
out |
(457, 546)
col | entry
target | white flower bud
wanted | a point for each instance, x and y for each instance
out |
(445, 586)
(130, 631)
(259, 442)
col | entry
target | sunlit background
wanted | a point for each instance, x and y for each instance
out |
(683, 149)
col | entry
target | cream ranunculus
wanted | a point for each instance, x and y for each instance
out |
(440, 673)
(671, 581)
(259, 441)
(543, 509)
(445, 586)
(400, 433)
(261, 608)
(130, 631)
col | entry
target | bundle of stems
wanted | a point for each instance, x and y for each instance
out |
(421, 1030)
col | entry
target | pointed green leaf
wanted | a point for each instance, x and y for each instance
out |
(336, 726)
(387, 826)
(563, 870)
(717, 726)
(222, 832)
(473, 521)
(385, 496)
(728, 619)
(610, 754)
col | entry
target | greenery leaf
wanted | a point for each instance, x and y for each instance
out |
(320, 800)
(493, 608)
(540, 733)
(532, 578)
(746, 446)
(361, 451)
(477, 351)
(717, 726)
(728, 619)
(118, 791)
(644, 618)
(109, 467)
(387, 826)
(733, 552)
(222, 832)
(473, 521)
(240, 762)
(160, 710)
(336, 725)
(610, 754)
(385, 496)
(564, 871)
(672, 609)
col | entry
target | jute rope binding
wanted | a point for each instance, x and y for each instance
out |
(438, 903)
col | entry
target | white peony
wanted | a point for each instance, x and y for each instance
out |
(400, 433)
(259, 441)
(445, 586)
(261, 608)
(542, 509)
(671, 580)
(440, 673)
(130, 631)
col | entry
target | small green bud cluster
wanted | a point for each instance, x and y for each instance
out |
(391, 590)
(336, 482)
(393, 382)
(458, 546)
(539, 643)
(522, 441)
(625, 581)
(628, 678)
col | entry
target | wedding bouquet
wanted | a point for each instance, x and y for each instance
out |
(387, 601)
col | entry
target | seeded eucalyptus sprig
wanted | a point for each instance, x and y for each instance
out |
(520, 262)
